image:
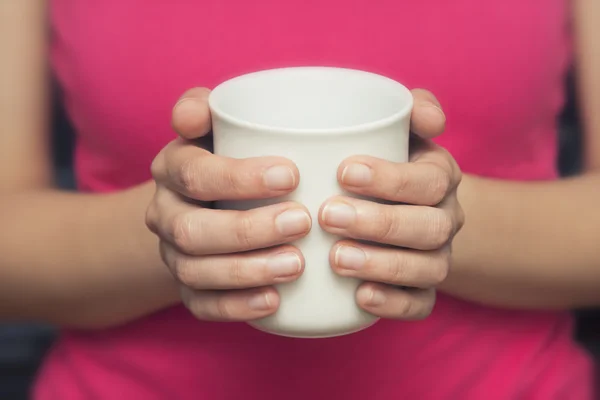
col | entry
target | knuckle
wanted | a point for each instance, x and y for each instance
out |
(440, 184)
(187, 175)
(244, 232)
(150, 217)
(387, 229)
(181, 231)
(228, 179)
(398, 268)
(159, 166)
(236, 272)
(184, 271)
(157, 217)
(441, 228)
(458, 175)
(156, 167)
(401, 183)
(223, 308)
(197, 307)
(445, 154)
(440, 268)
(405, 308)
(415, 309)
(193, 302)
(423, 312)
(220, 178)
(426, 308)
(460, 218)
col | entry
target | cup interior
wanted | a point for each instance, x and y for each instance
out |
(310, 99)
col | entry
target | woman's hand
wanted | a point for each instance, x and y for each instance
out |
(410, 239)
(226, 261)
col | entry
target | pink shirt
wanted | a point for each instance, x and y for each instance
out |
(498, 69)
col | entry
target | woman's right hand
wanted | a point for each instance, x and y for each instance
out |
(226, 261)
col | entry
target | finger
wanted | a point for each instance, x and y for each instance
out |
(200, 231)
(231, 305)
(391, 302)
(201, 175)
(392, 265)
(420, 183)
(415, 227)
(427, 119)
(234, 271)
(191, 115)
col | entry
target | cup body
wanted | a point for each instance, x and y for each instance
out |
(316, 117)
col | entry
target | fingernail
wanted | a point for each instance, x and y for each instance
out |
(339, 215)
(292, 222)
(357, 175)
(377, 298)
(438, 109)
(260, 302)
(186, 104)
(350, 257)
(279, 178)
(284, 264)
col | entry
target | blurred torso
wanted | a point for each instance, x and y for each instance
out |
(497, 68)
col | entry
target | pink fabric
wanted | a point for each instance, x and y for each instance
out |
(498, 69)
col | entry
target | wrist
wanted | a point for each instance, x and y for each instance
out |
(142, 245)
(464, 252)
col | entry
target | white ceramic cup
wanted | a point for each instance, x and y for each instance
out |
(316, 117)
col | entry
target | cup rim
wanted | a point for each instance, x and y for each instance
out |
(359, 128)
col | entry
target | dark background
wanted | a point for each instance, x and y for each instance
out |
(23, 345)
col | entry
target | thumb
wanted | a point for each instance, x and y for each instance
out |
(427, 119)
(191, 115)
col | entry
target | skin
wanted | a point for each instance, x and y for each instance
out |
(532, 251)
(54, 268)
(207, 262)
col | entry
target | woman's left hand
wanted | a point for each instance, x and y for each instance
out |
(409, 238)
